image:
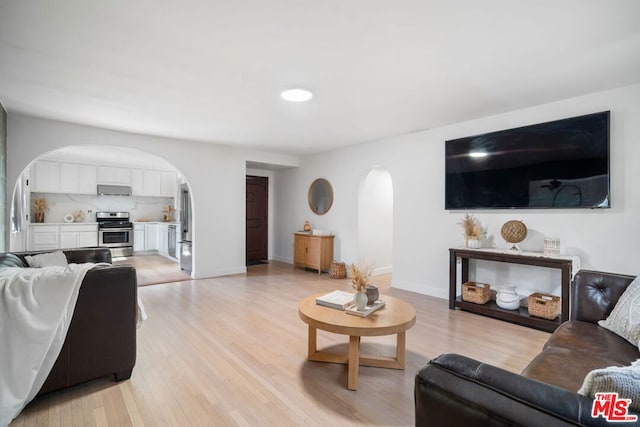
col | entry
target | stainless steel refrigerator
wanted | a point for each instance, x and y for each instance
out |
(186, 259)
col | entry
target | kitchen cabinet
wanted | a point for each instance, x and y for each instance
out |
(45, 177)
(62, 236)
(168, 184)
(163, 240)
(75, 178)
(114, 175)
(138, 238)
(60, 177)
(87, 179)
(44, 237)
(136, 182)
(151, 236)
(78, 235)
(311, 251)
(151, 183)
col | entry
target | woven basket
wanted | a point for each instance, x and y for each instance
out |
(338, 270)
(477, 293)
(544, 305)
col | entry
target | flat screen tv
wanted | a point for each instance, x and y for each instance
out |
(560, 164)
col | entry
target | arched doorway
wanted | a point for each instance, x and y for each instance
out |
(375, 221)
(68, 179)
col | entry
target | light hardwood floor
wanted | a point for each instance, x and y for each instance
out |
(154, 269)
(232, 351)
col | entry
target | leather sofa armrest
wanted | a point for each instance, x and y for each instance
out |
(453, 390)
(102, 335)
(594, 294)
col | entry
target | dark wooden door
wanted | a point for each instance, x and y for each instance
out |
(257, 216)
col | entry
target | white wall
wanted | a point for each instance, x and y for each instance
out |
(215, 173)
(423, 230)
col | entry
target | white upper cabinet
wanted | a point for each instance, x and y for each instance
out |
(151, 183)
(57, 177)
(168, 184)
(60, 177)
(46, 177)
(136, 182)
(114, 175)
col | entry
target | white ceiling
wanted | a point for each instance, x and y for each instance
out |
(213, 70)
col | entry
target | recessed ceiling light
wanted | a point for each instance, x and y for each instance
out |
(296, 95)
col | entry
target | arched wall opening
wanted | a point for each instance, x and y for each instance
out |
(375, 221)
(83, 201)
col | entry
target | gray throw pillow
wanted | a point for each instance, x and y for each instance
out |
(624, 320)
(624, 380)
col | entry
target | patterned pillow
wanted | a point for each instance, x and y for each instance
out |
(624, 380)
(624, 320)
(48, 259)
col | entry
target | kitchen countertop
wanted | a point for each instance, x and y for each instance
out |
(63, 223)
(156, 222)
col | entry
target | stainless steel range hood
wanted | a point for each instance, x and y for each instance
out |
(114, 190)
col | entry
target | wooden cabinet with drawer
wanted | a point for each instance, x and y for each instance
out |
(311, 251)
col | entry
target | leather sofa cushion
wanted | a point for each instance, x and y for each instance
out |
(594, 341)
(575, 349)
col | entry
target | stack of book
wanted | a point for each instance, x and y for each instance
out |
(341, 300)
(336, 299)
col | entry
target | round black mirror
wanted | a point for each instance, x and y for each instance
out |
(320, 196)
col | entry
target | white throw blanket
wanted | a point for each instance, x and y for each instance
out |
(36, 307)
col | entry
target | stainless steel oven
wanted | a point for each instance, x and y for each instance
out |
(115, 231)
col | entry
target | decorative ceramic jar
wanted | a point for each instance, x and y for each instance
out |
(372, 294)
(508, 298)
(473, 243)
(360, 300)
(307, 226)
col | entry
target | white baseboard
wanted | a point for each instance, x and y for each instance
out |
(381, 270)
(282, 259)
(421, 288)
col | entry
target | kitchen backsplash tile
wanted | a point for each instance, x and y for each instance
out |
(137, 206)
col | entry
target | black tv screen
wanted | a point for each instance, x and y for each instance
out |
(559, 164)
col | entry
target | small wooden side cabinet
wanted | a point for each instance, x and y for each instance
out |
(311, 251)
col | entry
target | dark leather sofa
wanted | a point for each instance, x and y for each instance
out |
(453, 390)
(101, 339)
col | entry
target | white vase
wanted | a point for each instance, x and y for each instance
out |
(508, 298)
(474, 243)
(360, 300)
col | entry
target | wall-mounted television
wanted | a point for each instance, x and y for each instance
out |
(559, 164)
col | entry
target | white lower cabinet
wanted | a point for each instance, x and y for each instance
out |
(138, 238)
(151, 237)
(62, 236)
(44, 237)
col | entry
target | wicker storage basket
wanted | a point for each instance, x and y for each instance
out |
(477, 293)
(338, 270)
(544, 305)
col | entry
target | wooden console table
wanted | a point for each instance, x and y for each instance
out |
(491, 309)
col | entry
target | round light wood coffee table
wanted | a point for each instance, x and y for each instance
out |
(394, 318)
